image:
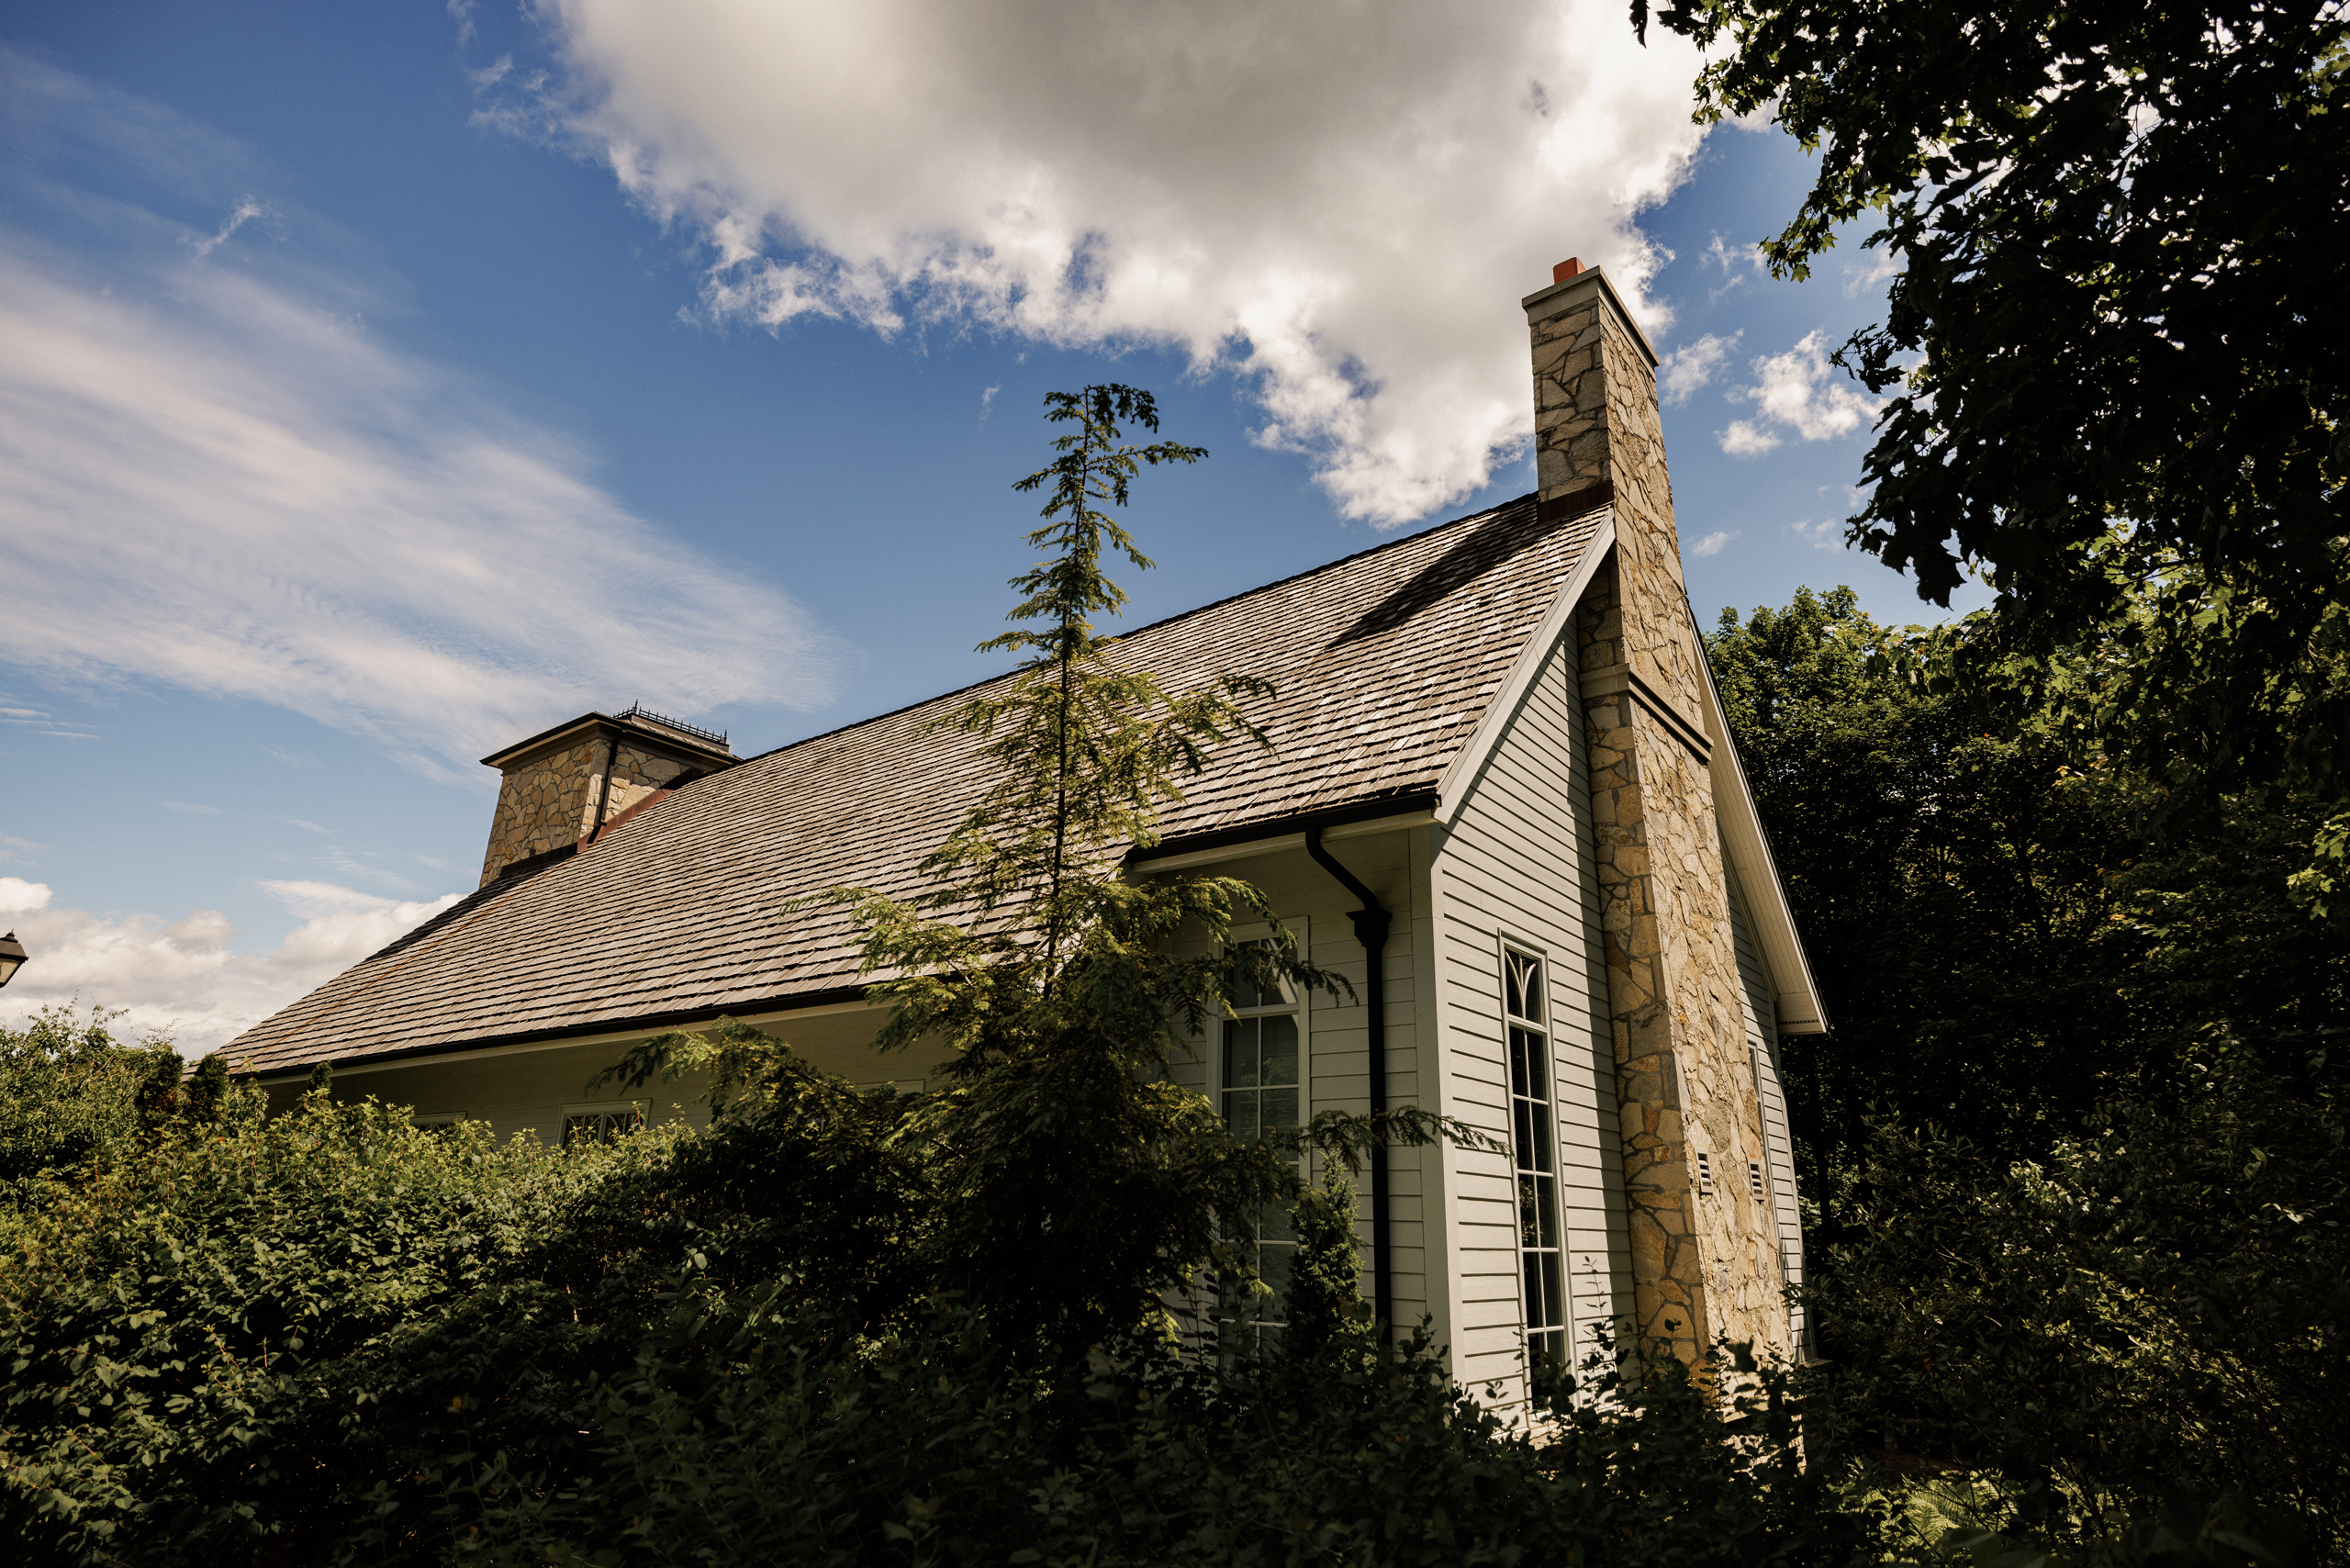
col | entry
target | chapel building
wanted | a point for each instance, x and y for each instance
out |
(1500, 797)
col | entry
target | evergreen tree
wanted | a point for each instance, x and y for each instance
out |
(1072, 1187)
(1325, 1314)
(1080, 1184)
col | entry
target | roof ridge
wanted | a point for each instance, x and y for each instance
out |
(1149, 626)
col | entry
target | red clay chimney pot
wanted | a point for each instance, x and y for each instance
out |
(1566, 269)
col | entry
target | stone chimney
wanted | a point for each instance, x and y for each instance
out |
(564, 785)
(1705, 1258)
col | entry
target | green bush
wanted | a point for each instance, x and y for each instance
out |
(70, 1095)
(759, 1429)
(193, 1333)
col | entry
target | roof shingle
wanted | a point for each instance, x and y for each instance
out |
(1383, 665)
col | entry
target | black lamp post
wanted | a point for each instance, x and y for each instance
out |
(12, 957)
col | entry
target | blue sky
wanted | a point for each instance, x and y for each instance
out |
(379, 383)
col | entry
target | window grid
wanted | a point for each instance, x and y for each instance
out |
(1262, 1088)
(1535, 1152)
(600, 1126)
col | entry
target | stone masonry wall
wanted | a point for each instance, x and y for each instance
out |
(542, 804)
(1704, 1263)
(554, 799)
(636, 774)
(1596, 417)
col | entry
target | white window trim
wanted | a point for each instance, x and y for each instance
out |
(594, 1107)
(1503, 942)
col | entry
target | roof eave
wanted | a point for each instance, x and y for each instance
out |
(1748, 845)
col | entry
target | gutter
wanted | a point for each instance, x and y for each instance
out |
(1372, 923)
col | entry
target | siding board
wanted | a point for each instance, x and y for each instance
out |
(1517, 862)
(1761, 1013)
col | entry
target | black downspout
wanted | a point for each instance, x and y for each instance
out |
(1371, 930)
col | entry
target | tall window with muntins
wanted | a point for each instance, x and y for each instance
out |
(1261, 1083)
(1535, 1149)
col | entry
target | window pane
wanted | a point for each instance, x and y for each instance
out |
(1280, 1108)
(1522, 986)
(1277, 1061)
(1542, 1146)
(1241, 1053)
(1537, 1067)
(1245, 993)
(1547, 1195)
(1240, 1114)
(1553, 1299)
(1273, 1267)
(1273, 1224)
(581, 1129)
(1518, 1061)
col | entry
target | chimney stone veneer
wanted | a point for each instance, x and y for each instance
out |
(1704, 1262)
(562, 785)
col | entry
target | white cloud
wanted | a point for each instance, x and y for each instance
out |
(1682, 373)
(41, 721)
(1796, 392)
(1713, 544)
(244, 213)
(208, 482)
(192, 807)
(182, 978)
(1342, 208)
(1739, 264)
(1824, 533)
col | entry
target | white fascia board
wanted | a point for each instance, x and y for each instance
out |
(1748, 848)
(1523, 673)
(1247, 848)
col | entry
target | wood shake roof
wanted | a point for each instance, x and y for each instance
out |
(1383, 663)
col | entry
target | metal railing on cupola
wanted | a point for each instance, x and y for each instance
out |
(639, 711)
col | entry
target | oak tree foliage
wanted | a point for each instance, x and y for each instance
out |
(2117, 344)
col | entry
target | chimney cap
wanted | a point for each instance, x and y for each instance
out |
(1566, 269)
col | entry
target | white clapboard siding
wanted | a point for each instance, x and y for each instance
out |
(1516, 864)
(1762, 1043)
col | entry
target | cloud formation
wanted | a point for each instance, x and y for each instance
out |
(213, 475)
(181, 978)
(211, 483)
(1693, 366)
(1797, 392)
(1340, 207)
